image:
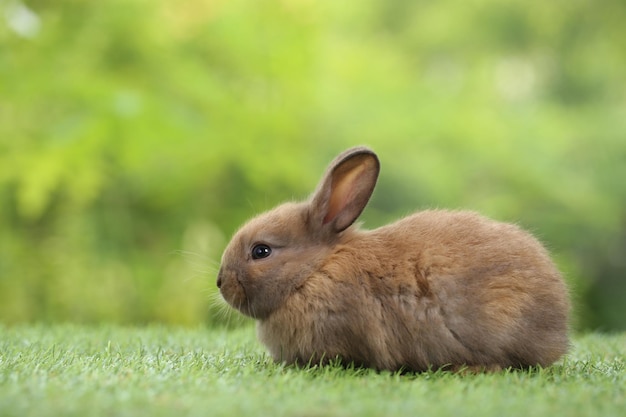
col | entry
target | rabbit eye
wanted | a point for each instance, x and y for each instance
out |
(261, 251)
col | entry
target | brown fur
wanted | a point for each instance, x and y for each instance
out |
(437, 288)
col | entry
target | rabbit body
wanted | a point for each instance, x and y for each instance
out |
(437, 288)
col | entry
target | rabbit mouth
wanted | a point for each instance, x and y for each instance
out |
(234, 293)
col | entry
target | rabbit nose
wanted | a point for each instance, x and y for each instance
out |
(219, 278)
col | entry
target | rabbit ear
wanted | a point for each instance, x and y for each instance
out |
(345, 189)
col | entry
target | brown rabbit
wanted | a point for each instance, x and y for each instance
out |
(435, 289)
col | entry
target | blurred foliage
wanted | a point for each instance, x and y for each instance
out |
(136, 135)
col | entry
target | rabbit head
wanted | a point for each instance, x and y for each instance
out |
(271, 255)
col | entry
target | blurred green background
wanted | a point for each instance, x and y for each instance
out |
(136, 135)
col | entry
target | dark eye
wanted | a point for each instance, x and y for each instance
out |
(261, 251)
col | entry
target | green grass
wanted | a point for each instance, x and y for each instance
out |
(66, 370)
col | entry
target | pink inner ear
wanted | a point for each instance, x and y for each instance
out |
(342, 193)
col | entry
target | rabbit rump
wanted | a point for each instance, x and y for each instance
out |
(435, 289)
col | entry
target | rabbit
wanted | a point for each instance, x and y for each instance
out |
(435, 290)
